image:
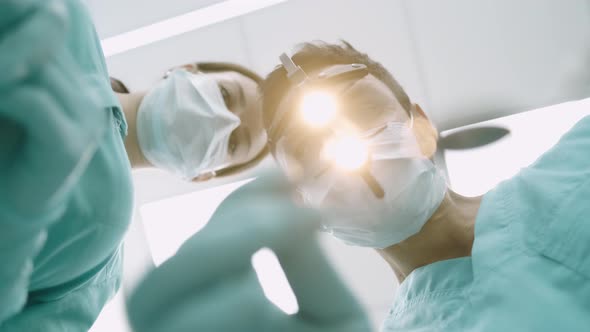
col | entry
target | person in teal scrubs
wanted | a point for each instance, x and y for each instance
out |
(66, 193)
(529, 268)
(65, 181)
(514, 259)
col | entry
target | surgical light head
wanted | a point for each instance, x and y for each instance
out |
(318, 108)
(326, 140)
(347, 151)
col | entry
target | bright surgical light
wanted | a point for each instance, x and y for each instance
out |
(347, 152)
(318, 108)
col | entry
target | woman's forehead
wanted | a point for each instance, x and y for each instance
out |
(231, 75)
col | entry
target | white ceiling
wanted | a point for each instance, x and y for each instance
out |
(488, 58)
(464, 61)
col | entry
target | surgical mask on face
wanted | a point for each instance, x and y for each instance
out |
(413, 187)
(184, 126)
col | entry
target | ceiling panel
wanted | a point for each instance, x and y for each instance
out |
(484, 59)
(140, 68)
(113, 17)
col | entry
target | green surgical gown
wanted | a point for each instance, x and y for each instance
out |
(530, 263)
(65, 182)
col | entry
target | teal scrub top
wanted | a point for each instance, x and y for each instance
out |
(65, 183)
(530, 263)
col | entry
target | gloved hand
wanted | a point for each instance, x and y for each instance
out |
(210, 285)
(47, 141)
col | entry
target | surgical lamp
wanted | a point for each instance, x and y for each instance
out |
(341, 146)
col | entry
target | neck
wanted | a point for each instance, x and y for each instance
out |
(449, 233)
(130, 103)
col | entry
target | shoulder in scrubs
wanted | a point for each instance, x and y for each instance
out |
(65, 185)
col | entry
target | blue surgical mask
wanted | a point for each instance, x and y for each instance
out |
(184, 126)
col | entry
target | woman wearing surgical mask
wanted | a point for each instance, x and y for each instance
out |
(66, 152)
(200, 121)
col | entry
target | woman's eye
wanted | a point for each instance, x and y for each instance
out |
(232, 145)
(226, 96)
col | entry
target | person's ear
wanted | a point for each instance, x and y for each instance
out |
(425, 132)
